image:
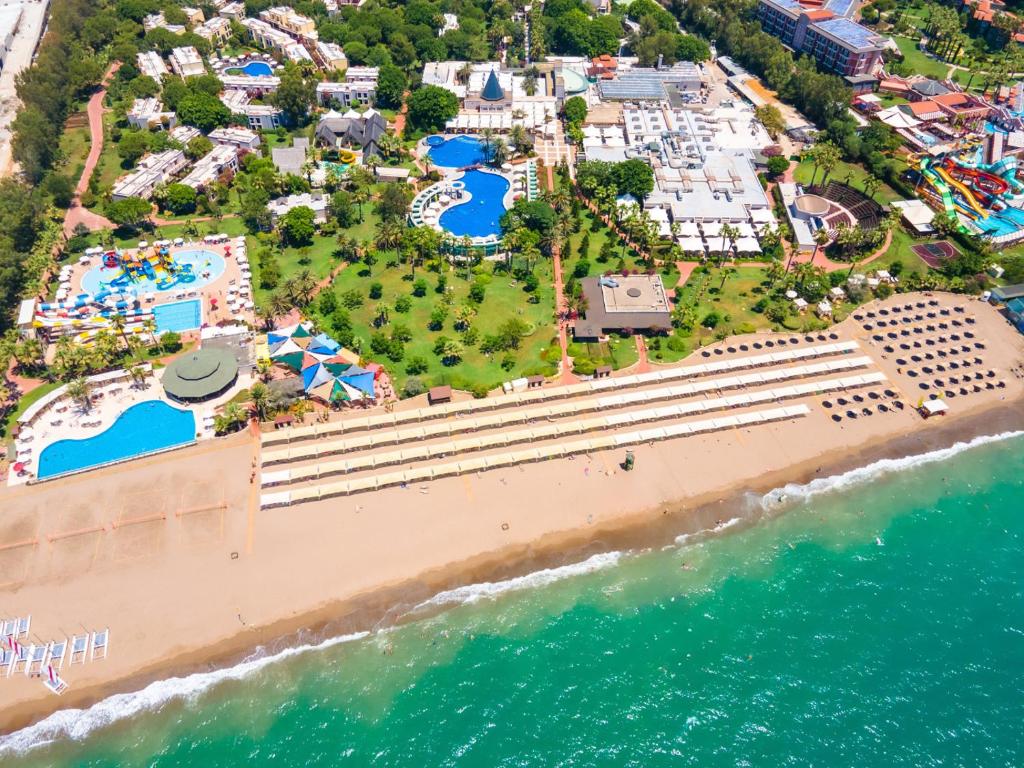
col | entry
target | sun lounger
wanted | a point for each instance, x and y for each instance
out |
(19, 657)
(58, 650)
(79, 649)
(9, 627)
(23, 626)
(36, 656)
(99, 645)
(6, 657)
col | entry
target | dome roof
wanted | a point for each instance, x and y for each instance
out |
(200, 374)
(492, 88)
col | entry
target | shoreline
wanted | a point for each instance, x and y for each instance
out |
(395, 603)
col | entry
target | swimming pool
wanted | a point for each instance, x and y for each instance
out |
(178, 316)
(252, 69)
(480, 216)
(206, 266)
(457, 152)
(144, 428)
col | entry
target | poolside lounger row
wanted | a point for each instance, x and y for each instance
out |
(480, 463)
(552, 431)
(382, 420)
(431, 430)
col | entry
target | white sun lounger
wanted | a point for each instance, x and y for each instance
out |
(79, 649)
(6, 657)
(99, 645)
(36, 656)
(23, 626)
(58, 650)
(21, 657)
(9, 627)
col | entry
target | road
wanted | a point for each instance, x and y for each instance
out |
(22, 51)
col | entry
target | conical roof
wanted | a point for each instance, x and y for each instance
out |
(492, 88)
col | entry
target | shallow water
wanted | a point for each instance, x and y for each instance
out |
(875, 619)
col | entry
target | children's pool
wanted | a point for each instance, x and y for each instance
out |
(252, 69)
(178, 316)
(206, 267)
(479, 217)
(144, 428)
(457, 152)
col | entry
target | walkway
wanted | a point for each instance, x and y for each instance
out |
(76, 214)
(643, 365)
(565, 374)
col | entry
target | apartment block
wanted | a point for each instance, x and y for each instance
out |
(152, 171)
(208, 168)
(187, 62)
(290, 21)
(347, 94)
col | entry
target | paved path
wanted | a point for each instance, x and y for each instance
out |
(643, 365)
(77, 214)
(566, 376)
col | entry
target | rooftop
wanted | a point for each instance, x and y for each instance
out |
(200, 375)
(851, 33)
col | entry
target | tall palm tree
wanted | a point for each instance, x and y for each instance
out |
(389, 234)
(259, 399)
(118, 322)
(78, 389)
(487, 134)
(729, 234)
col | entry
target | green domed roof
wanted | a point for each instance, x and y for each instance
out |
(200, 374)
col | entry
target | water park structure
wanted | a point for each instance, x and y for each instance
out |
(985, 198)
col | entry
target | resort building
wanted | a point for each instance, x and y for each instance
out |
(157, 21)
(200, 375)
(652, 84)
(316, 201)
(241, 138)
(187, 62)
(347, 94)
(330, 56)
(615, 303)
(352, 129)
(10, 22)
(290, 21)
(152, 171)
(223, 158)
(450, 23)
(149, 114)
(194, 15)
(362, 75)
(151, 64)
(183, 134)
(837, 43)
(445, 74)
(492, 95)
(261, 117)
(273, 39)
(255, 86)
(216, 30)
(233, 11)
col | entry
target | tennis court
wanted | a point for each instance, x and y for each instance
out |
(933, 254)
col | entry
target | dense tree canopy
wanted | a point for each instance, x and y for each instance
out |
(430, 107)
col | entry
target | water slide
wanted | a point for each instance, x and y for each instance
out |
(940, 186)
(148, 270)
(987, 182)
(964, 191)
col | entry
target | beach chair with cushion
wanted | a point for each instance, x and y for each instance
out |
(6, 657)
(36, 656)
(54, 682)
(58, 650)
(99, 645)
(79, 649)
(20, 657)
(8, 628)
(23, 627)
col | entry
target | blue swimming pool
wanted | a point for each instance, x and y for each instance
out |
(178, 316)
(480, 216)
(144, 428)
(457, 152)
(252, 69)
(195, 268)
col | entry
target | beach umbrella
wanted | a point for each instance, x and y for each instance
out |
(324, 344)
(18, 467)
(362, 381)
(314, 376)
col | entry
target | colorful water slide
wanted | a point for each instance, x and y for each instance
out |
(983, 180)
(964, 191)
(1006, 169)
(940, 186)
(148, 270)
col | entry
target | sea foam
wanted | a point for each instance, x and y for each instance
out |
(76, 724)
(794, 492)
(473, 593)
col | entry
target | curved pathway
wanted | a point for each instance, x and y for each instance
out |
(76, 214)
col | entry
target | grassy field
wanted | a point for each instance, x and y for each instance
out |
(74, 146)
(844, 172)
(23, 404)
(504, 298)
(918, 61)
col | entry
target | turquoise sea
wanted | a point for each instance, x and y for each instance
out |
(875, 619)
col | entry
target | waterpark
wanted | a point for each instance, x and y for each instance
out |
(156, 287)
(469, 201)
(986, 198)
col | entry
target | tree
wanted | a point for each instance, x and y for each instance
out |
(198, 147)
(825, 155)
(575, 109)
(771, 118)
(131, 146)
(79, 389)
(295, 95)
(298, 226)
(179, 198)
(204, 111)
(259, 400)
(430, 107)
(393, 202)
(391, 85)
(130, 212)
(635, 178)
(777, 165)
(342, 209)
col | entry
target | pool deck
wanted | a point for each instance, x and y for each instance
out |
(119, 396)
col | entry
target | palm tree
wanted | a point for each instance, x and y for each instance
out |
(727, 272)
(821, 239)
(259, 400)
(871, 184)
(389, 234)
(149, 326)
(499, 152)
(78, 389)
(775, 272)
(729, 233)
(487, 134)
(118, 323)
(266, 314)
(138, 375)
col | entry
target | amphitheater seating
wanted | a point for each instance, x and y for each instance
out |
(868, 213)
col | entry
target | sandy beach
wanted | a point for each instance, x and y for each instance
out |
(176, 557)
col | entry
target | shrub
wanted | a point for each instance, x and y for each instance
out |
(477, 292)
(416, 364)
(419, 288)
(403, 304)
(170, 341)
(352, 299)
(413, 386)
(376, 290)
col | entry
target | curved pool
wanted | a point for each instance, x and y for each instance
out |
(252, 69)
(144, 428)
(456, 152)
(479, 217)
(206, 267)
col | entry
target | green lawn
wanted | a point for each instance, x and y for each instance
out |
(618, 352)
(24, 403)
(74, 146)
(919, 62)
(854, 175)
(732, 301)
(899, 251)
(504, 298)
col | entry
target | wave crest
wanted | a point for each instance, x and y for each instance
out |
(795, 492)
